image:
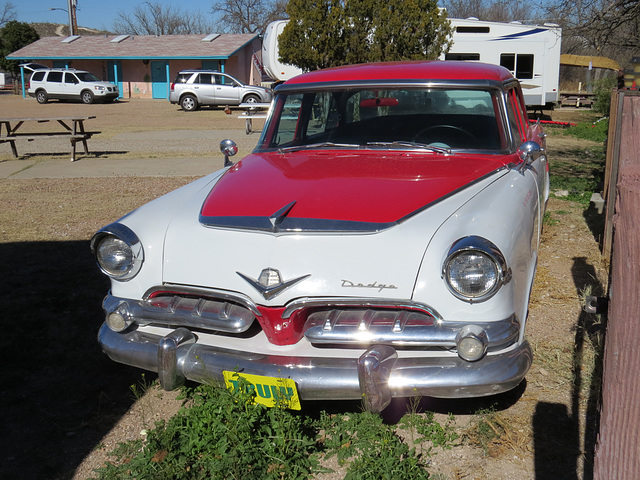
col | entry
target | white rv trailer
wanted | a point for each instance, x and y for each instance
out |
(271, 63)
(531, 53)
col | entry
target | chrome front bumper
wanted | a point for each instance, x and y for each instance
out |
(376, 377)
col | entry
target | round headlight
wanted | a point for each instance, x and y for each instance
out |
(114, 256)
(118, 251)
(472, 274)
(475, 269)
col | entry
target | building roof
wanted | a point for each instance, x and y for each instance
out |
(584, 60)
(123, 47)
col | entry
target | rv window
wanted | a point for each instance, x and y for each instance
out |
(524, 66)
(462, 56)
(472, 29)
(508, 61)
(520, 65)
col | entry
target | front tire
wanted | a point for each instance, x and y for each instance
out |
(86, 97)
(189, 103)
(41, 96)
(251, 99)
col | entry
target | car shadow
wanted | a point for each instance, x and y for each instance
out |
(60, 393)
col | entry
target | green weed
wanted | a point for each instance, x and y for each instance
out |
(595, 131)
(223, 434)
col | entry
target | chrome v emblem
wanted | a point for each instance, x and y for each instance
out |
(270, 283)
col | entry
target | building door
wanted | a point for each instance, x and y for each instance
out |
(159, 79)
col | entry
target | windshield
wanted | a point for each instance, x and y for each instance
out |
(87, 77)
(385, 118)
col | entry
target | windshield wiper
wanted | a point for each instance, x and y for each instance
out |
(407, 144)
(311, 146)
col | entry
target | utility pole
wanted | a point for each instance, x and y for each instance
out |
(73, 22)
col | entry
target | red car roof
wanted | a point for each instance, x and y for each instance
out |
(410, 70)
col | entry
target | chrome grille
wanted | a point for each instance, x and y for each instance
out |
(368, 326)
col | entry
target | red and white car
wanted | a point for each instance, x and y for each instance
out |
(380, 241)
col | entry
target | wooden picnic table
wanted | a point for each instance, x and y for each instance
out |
(253, 111)
(12, 129)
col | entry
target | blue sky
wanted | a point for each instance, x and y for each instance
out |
(98, 14)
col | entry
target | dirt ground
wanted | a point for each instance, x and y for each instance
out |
(65, 406)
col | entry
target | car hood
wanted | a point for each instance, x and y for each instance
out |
(334, 190)
(207, 245)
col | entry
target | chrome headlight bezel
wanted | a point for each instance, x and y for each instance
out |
(118, 237)
(478, 246)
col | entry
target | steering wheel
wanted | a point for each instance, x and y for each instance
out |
(446, 133)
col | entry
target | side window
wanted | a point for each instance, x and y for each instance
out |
(205, 78)
(55, 77)
(517, 119)
(524, 66)
(462, 56)
(521, 65)
(38, 76)
(508, 61)
(70, 78)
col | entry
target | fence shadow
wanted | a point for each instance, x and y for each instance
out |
(557, 431)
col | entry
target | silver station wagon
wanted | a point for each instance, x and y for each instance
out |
(194, 88)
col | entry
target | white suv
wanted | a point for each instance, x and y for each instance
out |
(70, 84)
(193, 88)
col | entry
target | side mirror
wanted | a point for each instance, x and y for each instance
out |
(229, 148)
(529, 152)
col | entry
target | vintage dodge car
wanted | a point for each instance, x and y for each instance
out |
(380, 241)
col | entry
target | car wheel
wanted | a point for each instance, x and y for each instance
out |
(87, 97)
(251, 99)
(189, 103)
(41, 96)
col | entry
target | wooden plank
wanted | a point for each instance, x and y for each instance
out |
(618, 450)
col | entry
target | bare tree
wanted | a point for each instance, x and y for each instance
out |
(247, 16)
(7, 13)
(153, 18)
(603, 27)
(492, 10)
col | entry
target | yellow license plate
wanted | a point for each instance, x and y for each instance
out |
(269, 390)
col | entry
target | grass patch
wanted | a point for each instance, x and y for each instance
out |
(223, 434)
(593, 131)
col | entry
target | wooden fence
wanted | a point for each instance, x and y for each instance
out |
(618, 448)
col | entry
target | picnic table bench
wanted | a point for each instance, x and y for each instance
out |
(254, 111)
(72, 128)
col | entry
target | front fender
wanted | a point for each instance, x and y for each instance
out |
(504, 213)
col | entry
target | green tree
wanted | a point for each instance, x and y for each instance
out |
(327, 33)
(13, 36)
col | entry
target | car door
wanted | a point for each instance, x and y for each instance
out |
(70, 86)
(536, 170)
(227, 90)
(53, 85)
(204, 87)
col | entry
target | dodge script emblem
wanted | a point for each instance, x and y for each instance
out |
(270, 283)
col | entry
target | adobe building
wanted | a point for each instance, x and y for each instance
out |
(145, 65)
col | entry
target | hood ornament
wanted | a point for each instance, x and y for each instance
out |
(277, 218)
(270, 283)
